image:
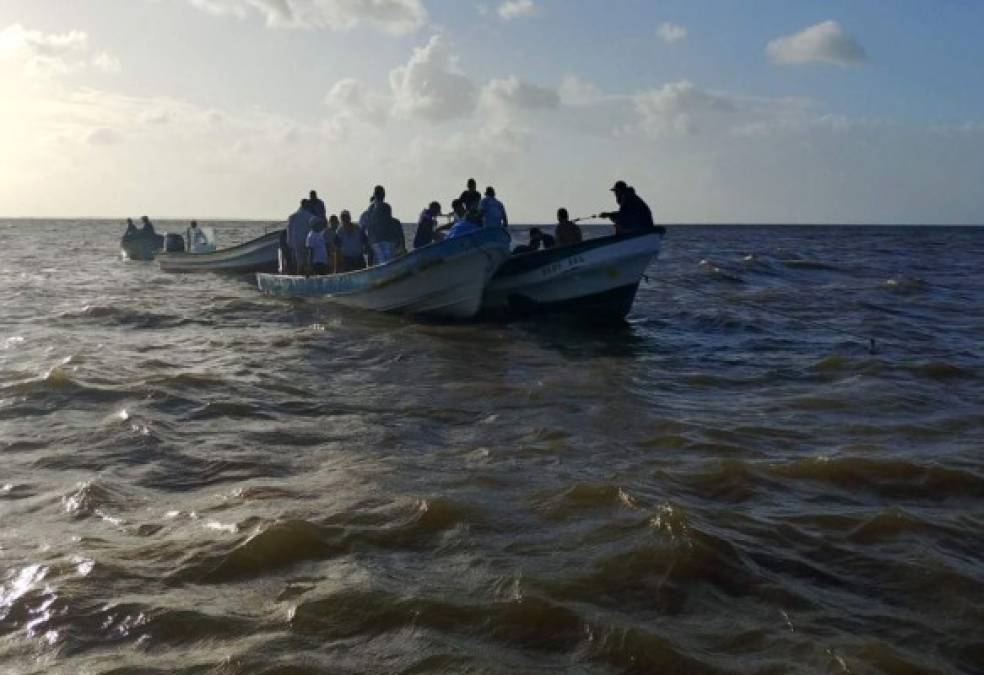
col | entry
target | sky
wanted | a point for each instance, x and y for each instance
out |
(773, 111)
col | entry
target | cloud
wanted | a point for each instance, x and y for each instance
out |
(825, 42)
(679, 107)
(392, 16)
(106, 62)
(671, 32)
(517, 9)
(430, 85)
(511, 92)
(43, 53)
(103, 136)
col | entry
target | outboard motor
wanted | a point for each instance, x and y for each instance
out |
(174, 243)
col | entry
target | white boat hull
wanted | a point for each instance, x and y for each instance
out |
(257, 255)
(597, 277)
(446, 279)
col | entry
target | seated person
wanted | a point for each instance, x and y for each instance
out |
(537, 239)
(471, 223)
(567, 232)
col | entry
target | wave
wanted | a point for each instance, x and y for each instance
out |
(889, 478)
(124, 316)
(272, 547)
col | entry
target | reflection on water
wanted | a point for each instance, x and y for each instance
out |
(201, 479)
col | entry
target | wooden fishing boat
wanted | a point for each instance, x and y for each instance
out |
(257, 255)
(595, 280)
(445, 279)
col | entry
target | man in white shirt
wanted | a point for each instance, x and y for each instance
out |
(493, 212)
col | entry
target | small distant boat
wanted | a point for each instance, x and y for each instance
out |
(141, 245)
(597, 279)
(444, 280)
(256, 255)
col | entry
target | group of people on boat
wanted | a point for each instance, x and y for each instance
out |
(315, 243)
(194, 235)
(132, 232)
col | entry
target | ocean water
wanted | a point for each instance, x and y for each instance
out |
(198, 479)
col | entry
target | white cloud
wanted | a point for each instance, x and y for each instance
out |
(392, 16)
(679, 107)
(103, 136)
(575, 91)
(516, 9)
(671, 32)
(43, 53)
(430, 85)
(351, 104)
(106, 62)
(825, 42)
(511, 92)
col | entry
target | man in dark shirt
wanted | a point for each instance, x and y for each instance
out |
(470, 197)
(567, 232)
(426, 224)
(633, 214)
(316, 206)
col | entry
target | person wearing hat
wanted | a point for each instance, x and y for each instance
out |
(633, 214)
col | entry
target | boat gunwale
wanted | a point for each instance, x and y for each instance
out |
(430, 256)
(523, 263)
(185, 256)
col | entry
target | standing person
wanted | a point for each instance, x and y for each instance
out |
(426, 225)
(567, 232)
(470, 195)
(316, 206)
(317, 251)
(330, 241)
(195, 236)
(633, 214)
(131, 229)
(350, 245)
(298, 226)
(383, 239)
(493, 212)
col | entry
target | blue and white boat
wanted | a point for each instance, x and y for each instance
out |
(595, 280)
(445, 280)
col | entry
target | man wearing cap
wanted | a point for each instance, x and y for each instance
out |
(633, 214)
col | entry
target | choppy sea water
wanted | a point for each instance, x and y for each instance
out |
(198, 479)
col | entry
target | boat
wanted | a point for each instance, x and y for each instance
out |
(444, 280)
(256, 255)
(595, 280)
(141, 245)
